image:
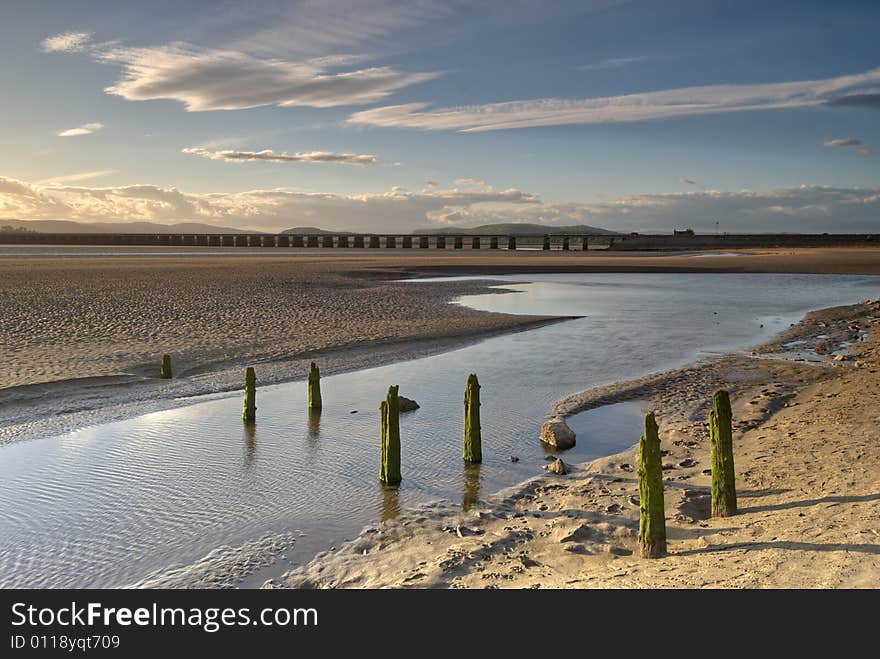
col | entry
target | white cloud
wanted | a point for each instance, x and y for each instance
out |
(808, 209)
(85, 129)
(267, 155)
(685, 181)
(66, 42)
(645, 106)
(395, 210)
(846, 142)
(211, 79)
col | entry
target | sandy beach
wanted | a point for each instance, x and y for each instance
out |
(806, 456)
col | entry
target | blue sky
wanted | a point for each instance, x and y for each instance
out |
(387, 115)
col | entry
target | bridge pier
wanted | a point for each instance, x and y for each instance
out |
(214, 241)
(390, 242)
(459, 242)
(546, 245)
(311, 241)
(342, 241)
(565, 244)
(407, 242)
(424, 242)
(475, 242)
(511, 243)
(374, 241)
(493, 242)
(441, 242)
(358, 241)
(283, 241)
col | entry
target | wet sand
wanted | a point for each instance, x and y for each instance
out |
(806, 453)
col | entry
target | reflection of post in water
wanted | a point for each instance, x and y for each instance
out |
(250, 443)
(390, 502)
(314, 422)
(471, 490)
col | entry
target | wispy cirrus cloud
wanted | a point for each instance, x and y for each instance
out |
(846, 143)
(84, 129)
(614, 63)
(267, 155)
(75, 178)
(67, 42)
(222, 79)
(647, 106)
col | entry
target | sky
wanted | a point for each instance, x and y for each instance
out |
(386, 115)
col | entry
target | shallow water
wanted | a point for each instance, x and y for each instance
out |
(109, 505)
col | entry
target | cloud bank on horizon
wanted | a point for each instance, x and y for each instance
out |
(468, 203)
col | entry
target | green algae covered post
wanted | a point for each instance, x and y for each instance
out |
(652, 516)
(249, 410)
(389, 457)
(165, 371)
(721, 441)
(472, 451)
(314, 387)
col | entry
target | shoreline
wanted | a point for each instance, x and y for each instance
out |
(578, 530)
(33, 410)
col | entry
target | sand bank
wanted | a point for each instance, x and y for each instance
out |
(807, 455)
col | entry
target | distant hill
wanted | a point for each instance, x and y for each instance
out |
(69, 226)
(312, 230)
(516, 229)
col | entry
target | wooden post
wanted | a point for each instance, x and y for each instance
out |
(472, 450)
(652, 511)
(721, 456)
(315, 402)
(249, 410)
(389, 452)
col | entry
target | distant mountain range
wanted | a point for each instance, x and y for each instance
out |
(517, 229)
(314, 230)
(69, 226)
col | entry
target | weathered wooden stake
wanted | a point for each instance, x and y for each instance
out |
(314, 387)
(721, 441)
(389, 465)
(472, 451)
(249, 410)
(652, 516)
(165, 371)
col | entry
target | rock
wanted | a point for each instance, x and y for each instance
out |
(407, 404)
(556, 467)
(513, 458)
(556, 432)
(839, 358)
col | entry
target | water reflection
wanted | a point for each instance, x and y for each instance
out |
(314, 423)
(250, 444)
(390, 502)
(471, 490)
